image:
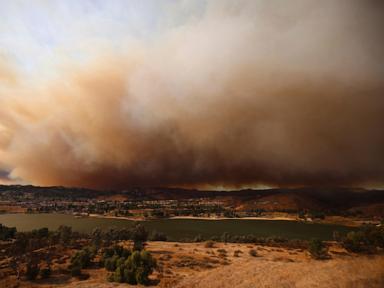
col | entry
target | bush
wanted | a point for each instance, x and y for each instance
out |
(236, 253)
(209, 244)
(317, 249)
(84, 257)
(110, 263)
(353, 242)
(253, 253)
(139, 236)
(81, 259)
(114, 257)
(118, 275)
(131, 268)
(366, 239)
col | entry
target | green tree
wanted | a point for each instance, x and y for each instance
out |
(139, 236)
(97, 237)
(84, 257)
(317, 249)
(65, 234)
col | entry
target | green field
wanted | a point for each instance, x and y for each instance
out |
(179, 229)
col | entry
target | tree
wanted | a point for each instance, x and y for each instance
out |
(118, 275)
(139, 236)
(96, 237)
(83, 257)
(65, 233)
(133, 268)
(110, 263)
(367, 239)
(317, 249)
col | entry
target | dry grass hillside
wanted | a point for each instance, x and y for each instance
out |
(186, 265)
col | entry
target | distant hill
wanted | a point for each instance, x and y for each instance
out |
(321, 199)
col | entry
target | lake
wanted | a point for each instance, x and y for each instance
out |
(178, 229)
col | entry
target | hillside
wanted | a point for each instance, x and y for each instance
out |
(369, 202)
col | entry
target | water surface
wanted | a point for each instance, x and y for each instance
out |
(178, 229)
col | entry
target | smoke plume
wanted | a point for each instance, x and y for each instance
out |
(250, 92)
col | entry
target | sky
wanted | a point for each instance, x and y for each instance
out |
(203, 94)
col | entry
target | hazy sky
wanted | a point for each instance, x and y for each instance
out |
(111, 94)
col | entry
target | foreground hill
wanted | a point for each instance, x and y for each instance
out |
(193, 265)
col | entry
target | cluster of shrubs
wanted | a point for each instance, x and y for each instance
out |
(132, 267)
(318, 249)
(138, 234)
(82, 259)
(368, 239)
(270, 241)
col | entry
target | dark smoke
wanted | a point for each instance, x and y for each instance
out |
(269, 92)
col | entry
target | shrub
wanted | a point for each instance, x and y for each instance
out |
(317, 249)
(83, 257)
(354, 241)
(139, 236)
(367, 239)
(114, 257)
(236, 253)
(118, 275)
(129, 276)
(110, 263)
(253, 253)
(209, 244)
(132, 268)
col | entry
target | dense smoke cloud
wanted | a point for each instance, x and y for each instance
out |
(252, 92)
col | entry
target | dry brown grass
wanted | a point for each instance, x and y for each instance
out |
(192, 267)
